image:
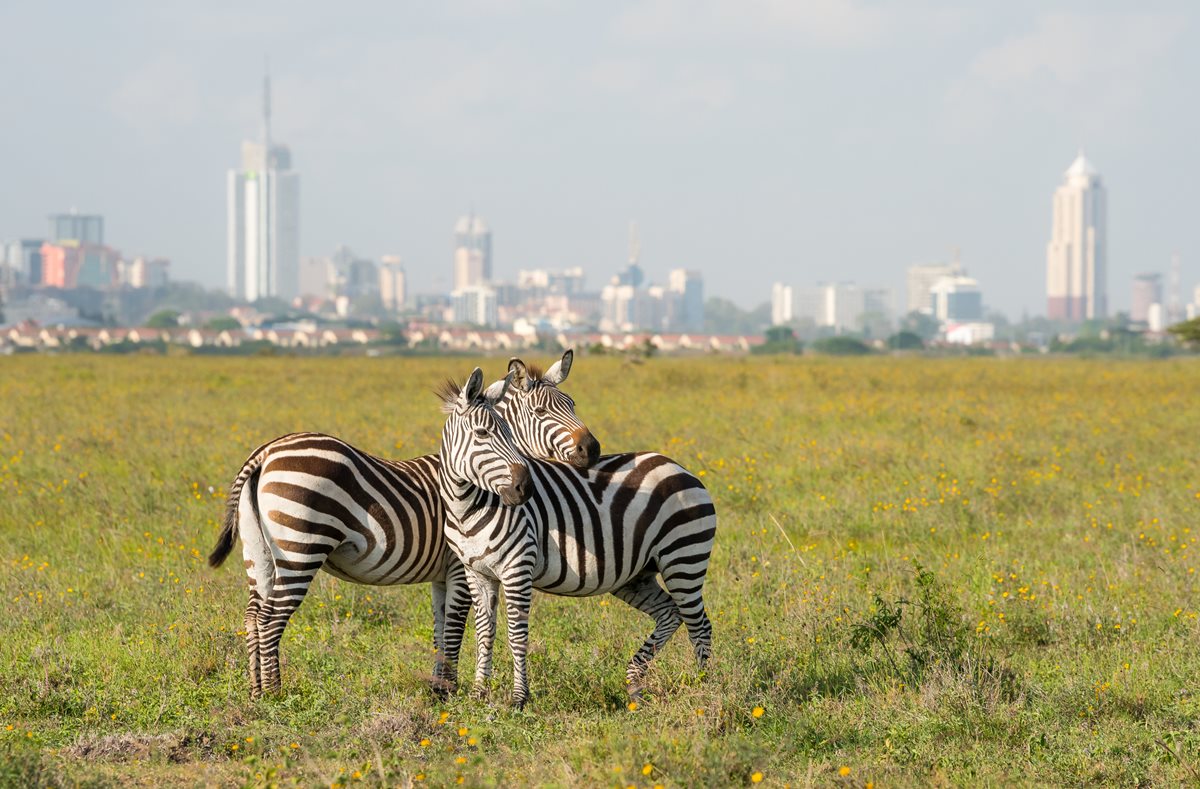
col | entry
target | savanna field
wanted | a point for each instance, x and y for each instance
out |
(947, 572)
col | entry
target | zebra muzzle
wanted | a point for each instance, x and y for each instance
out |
(517, 493)
(586, 451)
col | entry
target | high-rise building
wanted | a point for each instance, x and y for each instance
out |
(921, 280)
(472, 253)
(475, 305)
(781, 304)
(23, 262)
(957, 299)
(688, 287)
(841, 306)
(72, 264)
(263, 220)
(143, 272)
(1077, 255)
(73, 226)
(392, 283)
(317, 277)
(1147, 291)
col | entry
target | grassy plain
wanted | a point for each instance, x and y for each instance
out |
(1054, 502)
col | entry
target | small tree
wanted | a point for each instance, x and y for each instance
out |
(163, 319)
(924, 326)
(392, 333)
(779, 339)
(905, 341)
(1187, 332)
(841, 346)
(223, 323)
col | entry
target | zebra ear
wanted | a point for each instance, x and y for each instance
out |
(559, 370)
(473, 387)
(519, 373)
(495, 392)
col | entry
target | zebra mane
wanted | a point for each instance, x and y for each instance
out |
(448, 392)
(535, 372)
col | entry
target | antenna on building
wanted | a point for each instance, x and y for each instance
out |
(635, 245)
(956, 260)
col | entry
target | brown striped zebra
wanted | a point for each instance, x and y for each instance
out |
(613, 528)
(309, 501)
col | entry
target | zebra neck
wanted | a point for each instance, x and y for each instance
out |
(461, 498)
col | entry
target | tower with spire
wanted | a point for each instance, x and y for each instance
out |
(1077, 255)
(263, 219)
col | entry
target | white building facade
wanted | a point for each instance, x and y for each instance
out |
(920, 282)
(1077, 255)
(781, 304)
(263, 220)
(392, 283)
(472, 253)
(475, 305)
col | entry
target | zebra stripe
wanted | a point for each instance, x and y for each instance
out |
(309, 501)
(611, 529)
(542, 417)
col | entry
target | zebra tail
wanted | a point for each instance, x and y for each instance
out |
(229, 533)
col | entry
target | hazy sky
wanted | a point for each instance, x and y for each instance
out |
(754, 140)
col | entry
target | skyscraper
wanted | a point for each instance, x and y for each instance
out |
(781, 304)
(1147, 291)
(1077, 255)
(263, 199)
(921, 280)
(472, 253)
(688, 290)
(392, 283)
(74, 226)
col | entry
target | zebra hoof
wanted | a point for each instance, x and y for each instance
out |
(519, 704)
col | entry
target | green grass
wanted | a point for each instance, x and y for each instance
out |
(1053, 501)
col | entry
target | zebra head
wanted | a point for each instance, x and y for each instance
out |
(543, 417)
(478, 447)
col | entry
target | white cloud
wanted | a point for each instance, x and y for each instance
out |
(1087, 69)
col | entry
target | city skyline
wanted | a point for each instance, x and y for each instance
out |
(655, 113)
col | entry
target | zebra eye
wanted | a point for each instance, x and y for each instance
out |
(540, 410)
(481, 433)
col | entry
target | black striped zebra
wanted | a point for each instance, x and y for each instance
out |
(612, 528)
(309, 501)
(542, 416)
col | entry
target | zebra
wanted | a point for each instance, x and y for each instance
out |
(542, 416)
(309, 501)
(610, 529)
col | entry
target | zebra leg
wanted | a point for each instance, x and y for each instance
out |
(457, 607)
(484, 591)
(292, 579)
(438, 595)
(686, 586)
(645, 594)
(260, 575)
(518, 596)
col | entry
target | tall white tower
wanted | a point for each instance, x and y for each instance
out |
(472, 253)
(263, 219)
(1077, 255)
